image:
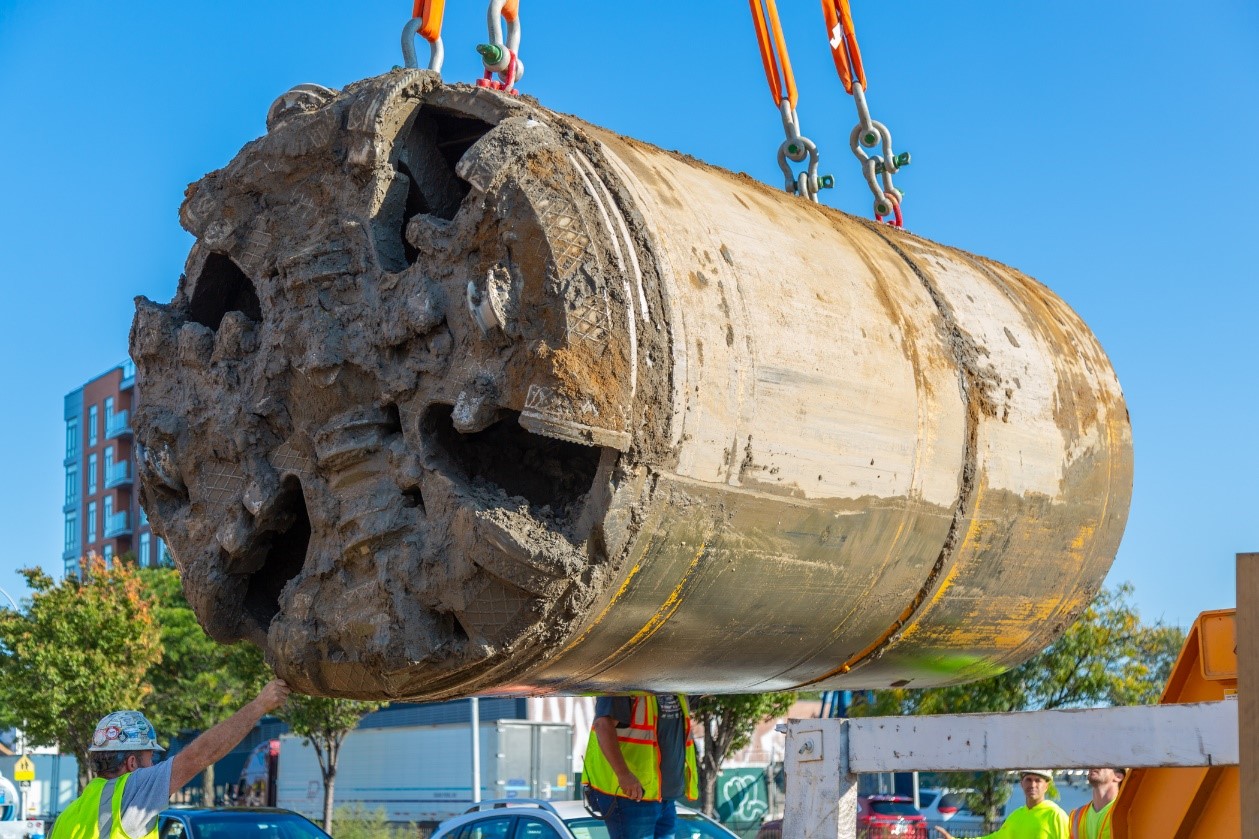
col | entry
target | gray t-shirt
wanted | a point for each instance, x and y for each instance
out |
(146, 794)
(670, 734)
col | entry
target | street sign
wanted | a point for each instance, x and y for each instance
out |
(24, 769)
(25, 785)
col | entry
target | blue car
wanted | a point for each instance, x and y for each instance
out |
(236, 823)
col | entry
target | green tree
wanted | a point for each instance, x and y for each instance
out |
(728, 723)
(80, 650)
(1107, 657)
(324, 722)
(198, 682)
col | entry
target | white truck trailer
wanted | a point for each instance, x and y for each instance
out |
(423, 774)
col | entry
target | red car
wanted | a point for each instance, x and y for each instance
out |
(889, 817)
(878, 817)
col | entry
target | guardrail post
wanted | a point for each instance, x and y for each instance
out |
(821, 792)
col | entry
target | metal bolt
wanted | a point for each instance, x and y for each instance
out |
(901, 159)
(807, 748)
(491, 54)
(869, 139)
(826, 181)
(793, 149)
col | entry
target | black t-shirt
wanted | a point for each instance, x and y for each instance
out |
(670, 734)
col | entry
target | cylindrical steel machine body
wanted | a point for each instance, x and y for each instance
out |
(459, 395)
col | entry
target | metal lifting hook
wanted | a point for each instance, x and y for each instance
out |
(426, 21)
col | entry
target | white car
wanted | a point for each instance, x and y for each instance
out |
(947, 808)
(531, 818)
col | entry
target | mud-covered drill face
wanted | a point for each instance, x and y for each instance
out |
(382, 416)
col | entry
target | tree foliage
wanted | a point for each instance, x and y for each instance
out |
(727, 723)
(80, 650)
(198, 682)
(1107, 657)
(324, 722)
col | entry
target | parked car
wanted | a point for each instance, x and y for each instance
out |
(531, 818)
(235, 823)
(889, 817)
(878, 817)
(947, 807)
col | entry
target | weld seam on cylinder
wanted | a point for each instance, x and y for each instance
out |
(967, 491)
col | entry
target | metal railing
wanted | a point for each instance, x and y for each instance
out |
(119, 524)
(128, 374)
(117, 424)
(117, 474)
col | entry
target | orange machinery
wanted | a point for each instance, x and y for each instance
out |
(1197, 802)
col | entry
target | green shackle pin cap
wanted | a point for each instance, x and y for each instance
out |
(490, 53)
(825, 181)
(902, 160)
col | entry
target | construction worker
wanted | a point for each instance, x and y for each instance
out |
(1038, 818)
(1092, 820)
(129, 790)
(639, 759)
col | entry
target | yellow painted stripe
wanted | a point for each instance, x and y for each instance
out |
(620, 592)
(667, 609)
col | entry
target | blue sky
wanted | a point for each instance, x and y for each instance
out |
(1105, 148)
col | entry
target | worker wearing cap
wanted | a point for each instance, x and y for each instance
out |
(129, 790)
(1092, 820)
(639, 759)
(1038, 818)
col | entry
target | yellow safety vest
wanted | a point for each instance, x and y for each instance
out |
(641, 751)
(93, 816)
(1080, 814)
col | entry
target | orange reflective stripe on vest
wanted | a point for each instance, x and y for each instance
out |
(1079, 818)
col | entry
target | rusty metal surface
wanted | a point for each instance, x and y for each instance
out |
(522, 405)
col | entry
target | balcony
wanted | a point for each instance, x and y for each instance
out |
(119, 524)
(117, 425)
(128, 375)
(117, 474)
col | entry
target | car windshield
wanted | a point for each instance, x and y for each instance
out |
(689, 826)
(264, 826)
(925, 798)
(893, 808)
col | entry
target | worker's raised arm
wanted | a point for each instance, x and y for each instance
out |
(215, 742)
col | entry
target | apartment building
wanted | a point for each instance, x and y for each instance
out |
(102, 501)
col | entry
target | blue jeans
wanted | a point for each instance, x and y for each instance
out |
(629, 819)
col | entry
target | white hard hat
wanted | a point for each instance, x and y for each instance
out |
(1044, 773)
(124, 731)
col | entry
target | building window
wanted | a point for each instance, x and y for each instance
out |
(91, 521)
(72, 568)
(72, 532)
(93, 420)
(109, 410)
(144, 517)
(109, 462)
(91, 474)
(108, 554)
(109, 510)
(72, 484)
(72, 437)
(143, 559)
(164, 559)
